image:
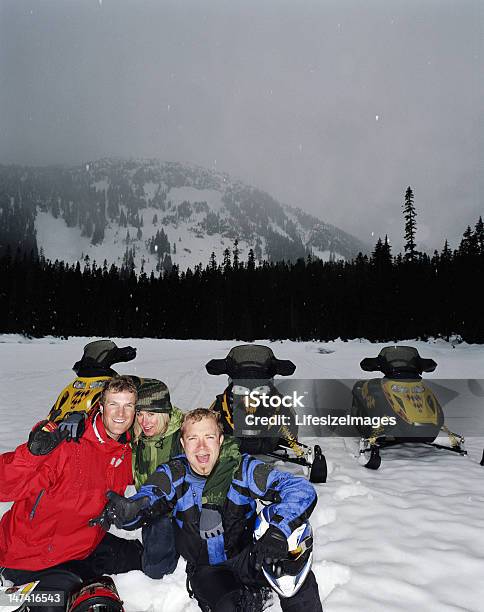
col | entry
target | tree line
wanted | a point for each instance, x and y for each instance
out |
(380, 297)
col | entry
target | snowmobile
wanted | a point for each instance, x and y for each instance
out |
(67, 417)
(92, 370)
(413, 413)
(251, 369)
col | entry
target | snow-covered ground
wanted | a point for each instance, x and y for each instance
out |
(409, 537)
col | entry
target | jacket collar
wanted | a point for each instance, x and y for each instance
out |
(99, 432)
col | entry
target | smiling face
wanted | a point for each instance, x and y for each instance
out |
(201, 441)
(118, 412)
(150, 422)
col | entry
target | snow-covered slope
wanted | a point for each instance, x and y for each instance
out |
(408, 537)
(109, 207)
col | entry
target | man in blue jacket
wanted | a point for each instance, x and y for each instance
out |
(215, 535)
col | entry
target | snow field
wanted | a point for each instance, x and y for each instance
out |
(408, 537)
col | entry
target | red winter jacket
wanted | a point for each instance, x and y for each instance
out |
(55, 496)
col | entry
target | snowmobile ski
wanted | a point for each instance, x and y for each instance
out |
(316, 466)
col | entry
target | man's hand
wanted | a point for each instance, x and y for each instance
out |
(44, 437)
(73, 425)
(271, 548)
(119, 511)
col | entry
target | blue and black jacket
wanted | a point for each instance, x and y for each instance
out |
(173, 487)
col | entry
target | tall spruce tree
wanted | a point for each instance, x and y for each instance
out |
(409, 214)
(480, 235)
(235, 253)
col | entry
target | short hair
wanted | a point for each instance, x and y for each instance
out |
(117, 384)
(201, 413)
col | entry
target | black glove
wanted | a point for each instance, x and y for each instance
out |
(271, 547)
(44, 437)
(119, 511)
(73, 424)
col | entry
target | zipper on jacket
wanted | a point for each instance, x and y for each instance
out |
(34, 508)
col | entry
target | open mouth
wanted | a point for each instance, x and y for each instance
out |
(202, 459)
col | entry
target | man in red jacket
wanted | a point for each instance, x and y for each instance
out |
(46, 534)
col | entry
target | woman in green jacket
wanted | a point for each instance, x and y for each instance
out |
(156, 440)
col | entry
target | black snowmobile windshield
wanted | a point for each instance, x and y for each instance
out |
(97, 359)
(400, 356)
(251, 361)
(98, 350)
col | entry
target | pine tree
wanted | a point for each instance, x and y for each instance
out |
(446, 254)
(226, 263)
(235, 253)
(382, 256)
(409, 214)
(378, 249)
(386, 252)
(469, 244)
(480, 235)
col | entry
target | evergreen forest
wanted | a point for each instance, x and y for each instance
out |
(381, 296)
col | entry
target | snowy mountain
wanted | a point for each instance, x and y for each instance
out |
(158, 213)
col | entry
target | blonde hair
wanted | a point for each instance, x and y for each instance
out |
(162, 426)
(201, 413)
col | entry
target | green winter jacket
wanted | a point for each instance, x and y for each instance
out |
(150, 452)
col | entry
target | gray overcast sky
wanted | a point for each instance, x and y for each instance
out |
(335, 106)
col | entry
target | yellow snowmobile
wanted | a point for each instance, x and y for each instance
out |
(93, 370)
(398, 408)
(67, 417)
